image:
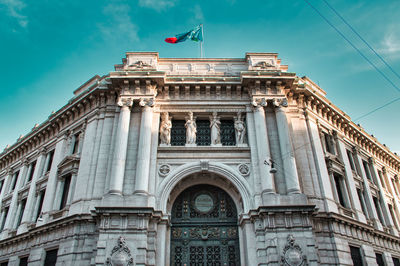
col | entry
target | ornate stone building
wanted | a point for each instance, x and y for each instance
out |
(187, 161)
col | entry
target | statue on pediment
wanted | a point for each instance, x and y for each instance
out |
(215, 129)
(191, 129)
(240, 129)
(165, 129)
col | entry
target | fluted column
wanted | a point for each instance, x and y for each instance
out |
(143, 159)
(121, 142)
(287, 154)
(263, 151)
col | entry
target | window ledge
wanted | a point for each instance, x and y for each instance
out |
(59, 213)
(204, 148)
(346, 211)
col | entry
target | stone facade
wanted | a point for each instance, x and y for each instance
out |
(99, 181)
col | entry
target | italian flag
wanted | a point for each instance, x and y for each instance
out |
(195, 34)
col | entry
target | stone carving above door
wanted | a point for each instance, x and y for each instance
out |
(120, 255)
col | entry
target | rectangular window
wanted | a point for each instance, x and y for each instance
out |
(366, 169)
(362, 202)
(228, 137)
(393, 216)
(51, 257)
(31, 171)
(75, 148)
(356, 256)
(351, 160)
(339, 184)
(394, 187)
(378, 210)
(328, 143)
(4, 263)
(21, 213)
(203, 136)
(3, 222)
(14, 181)
(178, 133)
(39, 211)
(23, 261)
(379, 259)
(381, 178)
(50, 156)
(1, 185)
(65, 191)
(396, 261)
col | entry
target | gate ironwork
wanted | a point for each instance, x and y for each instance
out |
(204, 228)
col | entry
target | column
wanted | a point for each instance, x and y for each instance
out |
(263, 151)
(382, 202)
(287, 154)
(372, 212)
(121, 142)
(7, 179)
(392, 190)
(30, 201)
(161, 243)
(144, 150)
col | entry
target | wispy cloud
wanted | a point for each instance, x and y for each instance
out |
(14, 9)
(390, 45)
(198, 12)
(157, 5)
(119, 24)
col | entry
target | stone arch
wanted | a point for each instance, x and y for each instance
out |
(205, 172)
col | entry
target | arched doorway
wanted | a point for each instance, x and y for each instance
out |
(204, 228)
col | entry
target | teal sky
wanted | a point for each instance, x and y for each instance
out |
(49, 48)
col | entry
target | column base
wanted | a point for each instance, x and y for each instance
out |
(165, 145)
(115, 192)
(190, 145)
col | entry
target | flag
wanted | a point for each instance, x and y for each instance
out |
(195, 34)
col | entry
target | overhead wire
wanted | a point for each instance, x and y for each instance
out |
(362, 55)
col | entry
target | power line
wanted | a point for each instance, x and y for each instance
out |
(359, 36)
(378, 108)
(358, 50)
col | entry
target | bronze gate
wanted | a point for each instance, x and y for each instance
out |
(204, 228)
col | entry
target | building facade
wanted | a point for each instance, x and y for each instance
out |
(199, 162)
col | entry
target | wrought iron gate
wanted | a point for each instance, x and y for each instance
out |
(204, 228)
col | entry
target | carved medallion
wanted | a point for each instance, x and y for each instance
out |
(120, 255)
(292, 254)
(164, 170)
(244, 169)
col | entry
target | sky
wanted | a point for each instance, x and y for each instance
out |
(50, 48)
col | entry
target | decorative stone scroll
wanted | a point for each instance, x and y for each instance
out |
(292, 254)
(120, 255)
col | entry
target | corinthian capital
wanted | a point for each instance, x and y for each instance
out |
(259, 103)
(146, 102)
(280, 102)
(122, 101)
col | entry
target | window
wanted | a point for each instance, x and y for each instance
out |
(14, 181)
(396, 261)
(49, 161)
(228, 137)
(21, 213)
(378, 210)
(3, 222)
(379, 259)
(31, 171)
(394, 187)
(4, 263)
(366, 169)
(203, 137)
(75, 147)
(362, 202)
(51, 257)
(380, 175)
(328, 143)
(1, 185)
(351, 160)
(393, 216)
(178, 133)
(356, 256)
(340, 189)
(41, 199)
(65, 191)
(23, 261)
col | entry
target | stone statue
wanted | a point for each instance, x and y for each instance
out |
(190, 129)
(240, 129)
(165, 129)
(215, 129)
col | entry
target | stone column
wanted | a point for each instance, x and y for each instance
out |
(161, 243)
(121, 142)
(392, 190)
(7, 180)
(382, 201)
(372, 212)
(287, 154)
(144, 150)
(30, 201)
(263, 151)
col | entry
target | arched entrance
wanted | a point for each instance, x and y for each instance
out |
(204, 228)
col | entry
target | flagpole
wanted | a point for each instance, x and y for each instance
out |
(201, 42)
